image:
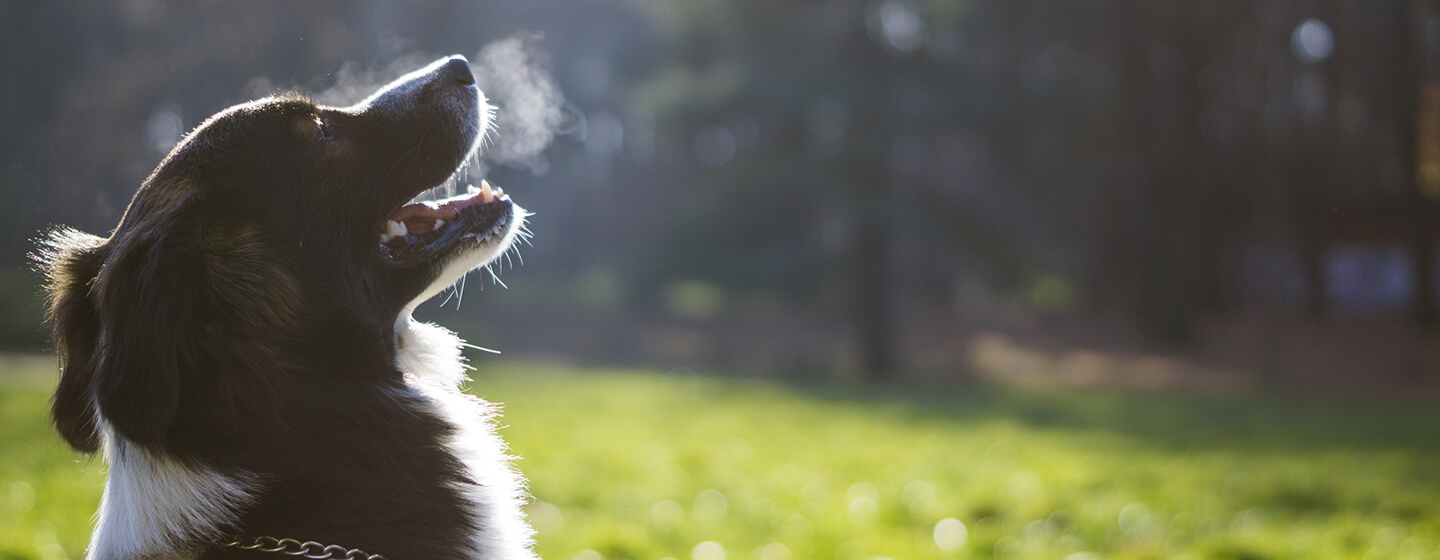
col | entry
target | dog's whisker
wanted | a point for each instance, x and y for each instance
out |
(480, 348)
(460, 290)
(495, 277)
(411, 153)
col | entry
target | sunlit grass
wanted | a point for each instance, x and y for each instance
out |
(649, 466)
(47, 493)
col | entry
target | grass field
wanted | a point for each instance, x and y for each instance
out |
(629, 465)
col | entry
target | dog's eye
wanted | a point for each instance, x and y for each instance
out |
(325, 133)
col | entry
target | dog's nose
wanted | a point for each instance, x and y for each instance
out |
(459, 70)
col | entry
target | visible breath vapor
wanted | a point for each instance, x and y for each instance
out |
(354, 83)
(515, 77)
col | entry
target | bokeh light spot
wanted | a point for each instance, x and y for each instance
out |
(710, 505)
(53, 552)
(667, 514)
(715, 145)
(950, 534)
(165, 128)
(862, 511)
(1312, 41)
(862, 489)
(604, 134)
(708, 550)
(796, 529)
(850, 550)
(1132, 517)
(21, 497)
(899, 24)
(775, 551)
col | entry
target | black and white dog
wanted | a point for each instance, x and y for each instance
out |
(242, 350)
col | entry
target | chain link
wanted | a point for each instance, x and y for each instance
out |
(303, 549)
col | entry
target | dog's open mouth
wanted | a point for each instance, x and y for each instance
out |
(418, 232)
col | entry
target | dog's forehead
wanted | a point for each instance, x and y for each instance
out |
(285, 110)
(242, 124)
(235, 138)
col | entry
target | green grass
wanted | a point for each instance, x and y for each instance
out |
(47, 493)
(629, 465)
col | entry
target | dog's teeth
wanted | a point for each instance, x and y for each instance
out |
(395, 229)
(499, 192)
(487, 195)
(439, 223)
(384, 238)
(470, 189)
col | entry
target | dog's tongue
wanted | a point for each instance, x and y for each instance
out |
(419, 218)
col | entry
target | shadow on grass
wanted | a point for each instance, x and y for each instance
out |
(1166, 418)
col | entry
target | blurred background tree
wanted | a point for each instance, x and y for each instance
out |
(1240, 193)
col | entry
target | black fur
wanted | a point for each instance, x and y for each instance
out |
(240, 319)
(73, 260)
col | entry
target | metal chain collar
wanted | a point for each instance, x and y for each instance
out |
(303, 549)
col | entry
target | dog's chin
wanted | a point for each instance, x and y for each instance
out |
(469, 253)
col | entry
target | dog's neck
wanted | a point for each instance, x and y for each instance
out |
(430, 354)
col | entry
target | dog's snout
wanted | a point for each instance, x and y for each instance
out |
(458, 69)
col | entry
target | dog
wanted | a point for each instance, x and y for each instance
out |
(241, 347)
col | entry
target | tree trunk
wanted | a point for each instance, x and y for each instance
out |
(868, 165)
(1408, 88)
(872, 304)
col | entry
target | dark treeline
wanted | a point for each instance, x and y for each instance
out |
(863, 168)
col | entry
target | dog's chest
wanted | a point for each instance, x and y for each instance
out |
(434, 366)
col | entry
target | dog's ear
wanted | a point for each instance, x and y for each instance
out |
(184, 300)
(71, 260)
(146, 319)
(170, 302)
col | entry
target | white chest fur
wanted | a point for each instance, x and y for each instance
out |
(432, 358)
(153, 505)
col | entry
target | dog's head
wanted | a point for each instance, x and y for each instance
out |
(276, 234)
